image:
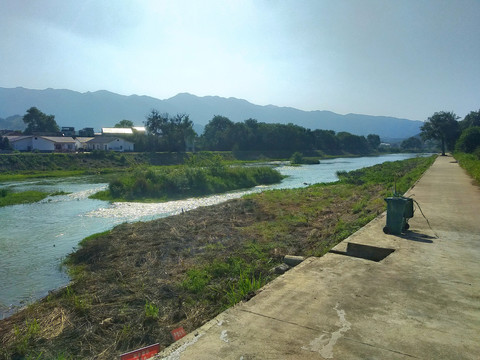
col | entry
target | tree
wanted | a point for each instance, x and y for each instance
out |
(412, 143)
(217, 134)
(326, 141)
(4, 143)
(442, 126)
(173, 131)
(353, 144)
(472, 119)
(157, 124)
(469, 140)
(374, 141)
(124, 124)
(37, 121)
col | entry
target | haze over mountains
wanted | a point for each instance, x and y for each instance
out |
(103, 109)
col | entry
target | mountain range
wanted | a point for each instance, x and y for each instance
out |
(104, 109)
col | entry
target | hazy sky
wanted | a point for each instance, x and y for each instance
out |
(403, 58)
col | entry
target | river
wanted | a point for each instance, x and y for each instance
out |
(36, 238)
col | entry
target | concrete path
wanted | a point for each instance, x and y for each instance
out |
(421, 302)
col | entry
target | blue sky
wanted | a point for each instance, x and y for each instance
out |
(407, 58)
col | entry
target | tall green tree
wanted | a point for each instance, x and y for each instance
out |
(326, 141)
(174, 131)
(353, 144)
(37, 121)
(218, 134)
(469, 141)
(472, 119)
(124, 124)
(444, 127)
(374, 141)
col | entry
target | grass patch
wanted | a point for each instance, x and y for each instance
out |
(8, 198)
(244, 287)
(92, 237)
(471, 163)
(59, 193)
(151, 310)
(25, 175)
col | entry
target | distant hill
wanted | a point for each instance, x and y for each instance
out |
(103, 109)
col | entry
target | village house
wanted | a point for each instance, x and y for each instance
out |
(109, 143)
(82, 142)
(42, 143)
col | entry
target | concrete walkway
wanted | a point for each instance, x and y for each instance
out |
(422, 301)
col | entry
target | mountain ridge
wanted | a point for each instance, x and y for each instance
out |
(103, 108)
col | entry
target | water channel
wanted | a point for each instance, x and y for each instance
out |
(35, 238)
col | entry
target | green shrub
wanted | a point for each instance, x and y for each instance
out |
(188, 180)
(296, 158)
(469, 140)
(245, 286)
(151, 310)
(196, 281)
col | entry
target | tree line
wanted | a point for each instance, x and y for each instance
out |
(175, 134)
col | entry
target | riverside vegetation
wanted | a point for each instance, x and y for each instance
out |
(7, 197)
(202, 174)
(20, 166)
(471, 163)
(134, 284)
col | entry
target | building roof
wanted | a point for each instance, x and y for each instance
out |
(17, 137)
(123, 131)
(84, 139)
(59, 139)
(55, 139)
(105, 140)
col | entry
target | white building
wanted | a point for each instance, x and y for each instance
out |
(82, 142)
(109, 143)
(42, 143)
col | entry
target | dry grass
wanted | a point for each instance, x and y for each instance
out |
(182, 269)
(102, 313)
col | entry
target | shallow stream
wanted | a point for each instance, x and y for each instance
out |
(35, 238)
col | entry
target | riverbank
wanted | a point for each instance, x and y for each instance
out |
(22, 166)
(134, 284)
(8, 198)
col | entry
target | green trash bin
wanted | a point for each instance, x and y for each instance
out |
(396, 215)
(408, 208)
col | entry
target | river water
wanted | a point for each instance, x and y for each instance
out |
(35, 238)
